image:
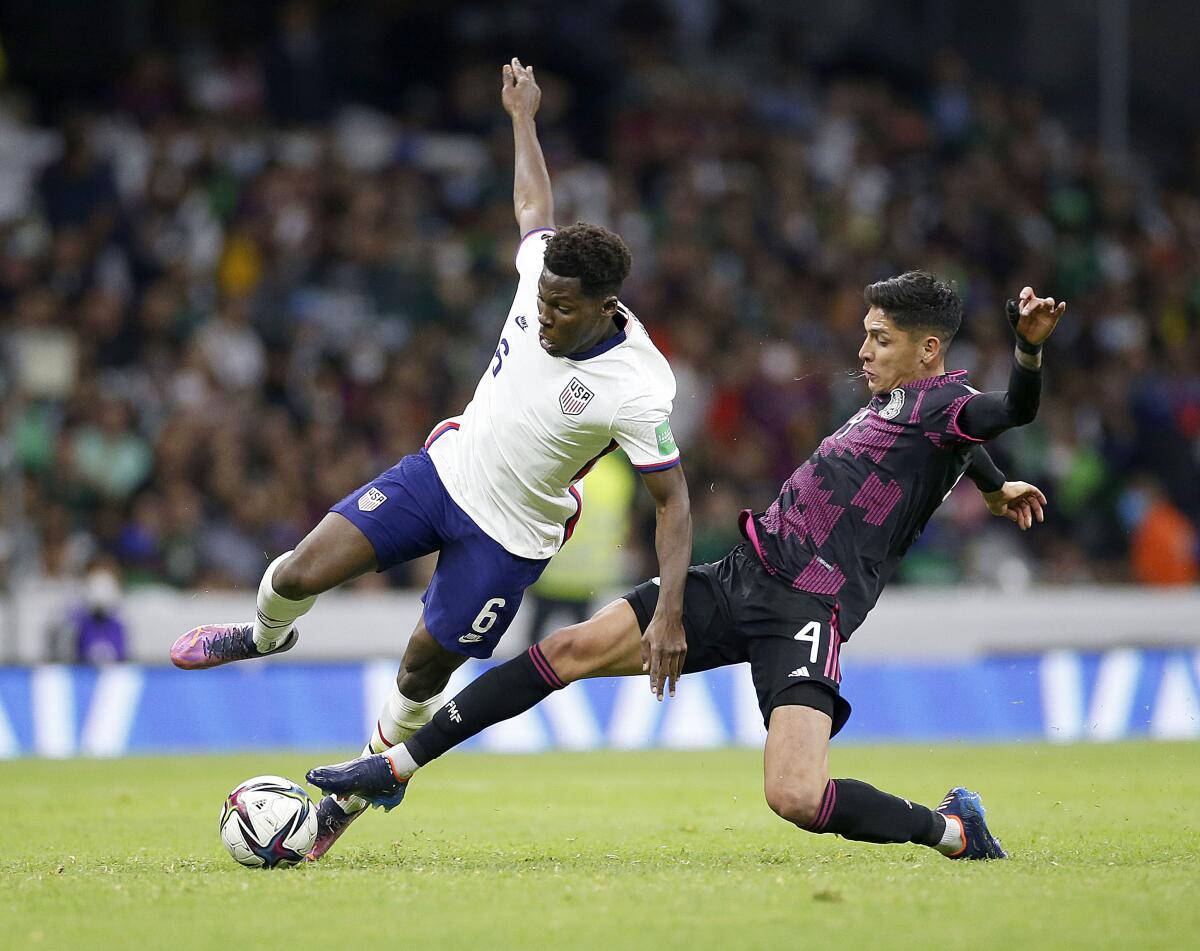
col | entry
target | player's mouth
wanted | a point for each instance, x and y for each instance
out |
(546, 342)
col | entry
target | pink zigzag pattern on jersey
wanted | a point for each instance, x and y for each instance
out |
(872, 435)
(820, 577)
(811, 513)
(877, 499)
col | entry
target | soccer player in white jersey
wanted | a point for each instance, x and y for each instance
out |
(495, 490)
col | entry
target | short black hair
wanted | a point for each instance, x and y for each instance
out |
(916, 300)
(599, 258)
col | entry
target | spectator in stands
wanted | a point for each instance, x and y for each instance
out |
(225, 271)
(93, 632)
(1164, 549)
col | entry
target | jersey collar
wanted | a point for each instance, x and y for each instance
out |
(604, 345)
(941, 379)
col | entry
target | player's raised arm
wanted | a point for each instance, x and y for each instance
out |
(664, 644)
(533, 201)
(987, 415)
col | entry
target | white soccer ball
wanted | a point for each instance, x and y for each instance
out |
(268, 822)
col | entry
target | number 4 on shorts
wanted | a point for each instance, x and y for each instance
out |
(811, 632)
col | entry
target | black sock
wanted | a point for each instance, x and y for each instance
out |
(500, 694)
(859, 811)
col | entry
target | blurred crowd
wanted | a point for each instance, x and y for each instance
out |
(230, 294)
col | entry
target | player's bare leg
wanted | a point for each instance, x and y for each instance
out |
(606, 645)
(796, 762)
(424, 673)
(331, 554)
(798, 789)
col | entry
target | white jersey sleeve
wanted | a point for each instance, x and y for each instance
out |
(530, 255)
(642, 428)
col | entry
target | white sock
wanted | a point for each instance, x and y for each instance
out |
(399, 719)
(401, 759)
(954, 838)
(276, 614)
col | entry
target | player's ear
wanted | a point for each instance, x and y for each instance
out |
(608, 306)
(931, 351)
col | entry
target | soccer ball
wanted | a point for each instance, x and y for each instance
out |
(268, 822)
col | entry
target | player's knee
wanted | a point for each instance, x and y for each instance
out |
(570, 652)
(421, 684)
(299, 577)
(795, 800)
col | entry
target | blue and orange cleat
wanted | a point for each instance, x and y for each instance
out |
(332, 821)
(978, 841)
(212, 645)
(368, 777)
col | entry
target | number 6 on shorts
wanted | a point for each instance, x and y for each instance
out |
(487, 617)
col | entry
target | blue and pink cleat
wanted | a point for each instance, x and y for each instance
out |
(212, 645)
(967, 808)
(332, 821)
(368, 777)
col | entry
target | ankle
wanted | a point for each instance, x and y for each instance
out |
(954, 837)
(401, 762)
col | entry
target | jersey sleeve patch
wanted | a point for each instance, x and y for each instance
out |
(643, 430)
(666, 440)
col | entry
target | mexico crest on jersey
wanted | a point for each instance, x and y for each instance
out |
(574, 397)
(895, 404)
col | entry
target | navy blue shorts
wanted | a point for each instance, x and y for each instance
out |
(477, 586)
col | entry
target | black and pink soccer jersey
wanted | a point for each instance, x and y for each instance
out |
(846, 517)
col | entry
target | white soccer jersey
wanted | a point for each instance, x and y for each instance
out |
(538, 423)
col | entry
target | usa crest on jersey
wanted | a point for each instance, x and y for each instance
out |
(574, 397)
(370, 500)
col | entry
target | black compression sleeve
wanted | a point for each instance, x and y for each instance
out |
(497, 694)
(983, 471)
(989, 414)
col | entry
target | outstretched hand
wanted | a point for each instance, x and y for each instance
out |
(664, 649)
(519, 91)
(1018, 502)
(1037, 316)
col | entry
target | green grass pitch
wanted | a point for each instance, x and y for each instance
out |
(612, 851)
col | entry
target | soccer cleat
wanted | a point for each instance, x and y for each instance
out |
(332, 821)
(968, 809)
(368, 777)
(212, 645)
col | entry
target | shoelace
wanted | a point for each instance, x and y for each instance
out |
(224, 646)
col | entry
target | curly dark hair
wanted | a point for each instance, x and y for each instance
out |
(916, 300)
(599, 258)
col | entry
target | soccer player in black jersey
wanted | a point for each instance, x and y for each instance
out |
(813, 565)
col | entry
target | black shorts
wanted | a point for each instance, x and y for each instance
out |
(734, 612)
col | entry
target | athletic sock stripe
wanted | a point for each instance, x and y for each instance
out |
(544, 668)
(831, 789)
(826, 810)
(383, 739)
(271, 622)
